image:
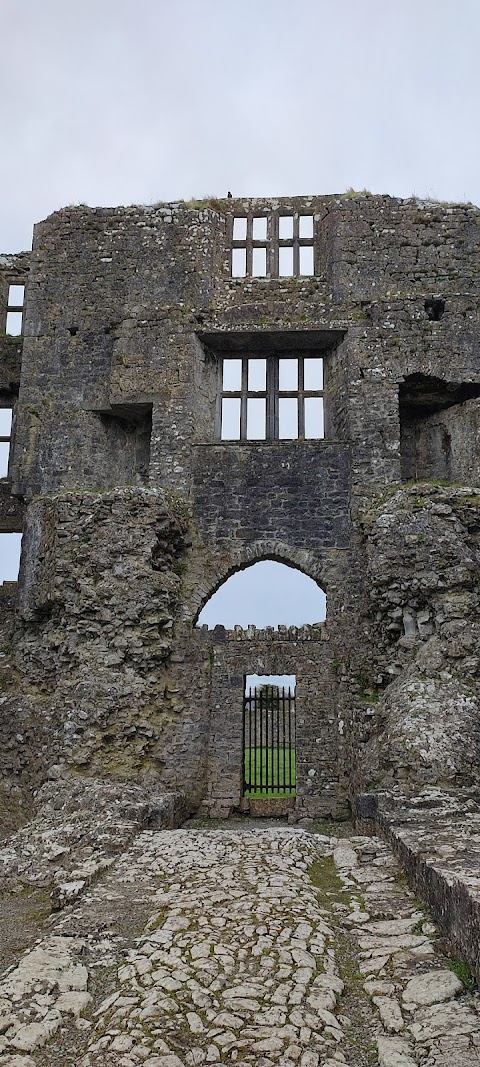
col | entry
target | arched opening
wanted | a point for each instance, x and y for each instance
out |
(266, 593)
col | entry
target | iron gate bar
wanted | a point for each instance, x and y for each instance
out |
(283, 734)
(289, 739)
(268, 732)
(266, 739)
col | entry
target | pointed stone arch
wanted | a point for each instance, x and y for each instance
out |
(275, 552)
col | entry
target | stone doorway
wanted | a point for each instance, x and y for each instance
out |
(269, 744)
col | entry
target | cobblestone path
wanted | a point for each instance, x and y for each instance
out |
(270, 946)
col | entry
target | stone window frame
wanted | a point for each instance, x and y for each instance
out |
(272, 243)
(272, 395)
(14, 308)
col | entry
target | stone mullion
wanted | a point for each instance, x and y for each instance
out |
(272, 398)
(243, 399)
(296, 249)
(249, 247)
(272, 245)
(301, 404)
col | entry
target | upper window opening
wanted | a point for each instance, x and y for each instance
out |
(271, 398)
(5, 439)
(239, 229)
(306, 226)
(285, 262)
(285, 227)
(16, 294)
(10, 549)
(259, 229)
(239, 262)
(266, 593)
(259, 262)
(274, 246)
(16, 297)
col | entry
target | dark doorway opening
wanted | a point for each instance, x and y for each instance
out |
(269, 756)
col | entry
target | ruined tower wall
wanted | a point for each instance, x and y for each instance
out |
(129, 314)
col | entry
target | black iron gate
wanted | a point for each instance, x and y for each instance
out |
(269, 742)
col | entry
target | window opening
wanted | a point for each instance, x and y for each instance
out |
(259, 262)
(314, 418)
(427, 420)
(266, 593)
(256, 418)
(275, 246)
(285, 262)
(306, 261)
(16, 298)
(10, 549)
(306, 226)
(287, 418)
(230, 418)
(257, 374)
(259, 229)
(5, 439)
(239, 263)
(269, 764)
(239, 229)
(285, 227)
(271, 398)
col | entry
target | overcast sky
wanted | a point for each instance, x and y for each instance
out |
(134, 101)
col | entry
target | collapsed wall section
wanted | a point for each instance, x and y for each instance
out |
(420, 724)
(99, 592)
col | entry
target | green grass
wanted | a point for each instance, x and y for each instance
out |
(259, 761)
(463, 972)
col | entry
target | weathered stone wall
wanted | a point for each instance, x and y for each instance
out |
(448, 445)
(99, 590)
(321, 784)
(423, 587)
(128, 314)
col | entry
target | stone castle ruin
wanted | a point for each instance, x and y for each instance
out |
(201, 386)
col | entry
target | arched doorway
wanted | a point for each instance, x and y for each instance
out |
(272, 743)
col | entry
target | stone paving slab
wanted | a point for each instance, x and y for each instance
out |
(248, 946)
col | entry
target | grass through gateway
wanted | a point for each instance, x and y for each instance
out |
(275, 766)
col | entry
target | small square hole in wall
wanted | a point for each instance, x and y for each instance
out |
(239, 229)
(285, 262)
(10, 548)
(14, 323)
(314, 420)
(257, 375)
(232, 375)
(305, 226)
(16, 296)
(259, 262)
(287, 418)
(285, 227)
(306, 260)
(230, 419)
(288, 375)
(260, 229)
(239, 262)
(256, 426)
